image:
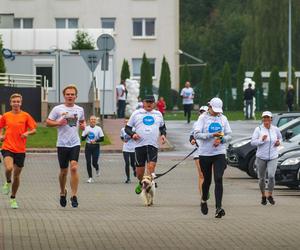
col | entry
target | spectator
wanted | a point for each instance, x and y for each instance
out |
(290, 98)
(249, 93)
(187, 94)
(121, 99)
(161, 105)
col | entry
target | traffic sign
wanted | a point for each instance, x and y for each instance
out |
(105, 42)
(92, 58)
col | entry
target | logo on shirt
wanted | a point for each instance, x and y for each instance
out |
(72, 120)
(148, 120)
(91, 136)
(214, 127)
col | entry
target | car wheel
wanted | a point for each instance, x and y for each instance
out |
(252, 168)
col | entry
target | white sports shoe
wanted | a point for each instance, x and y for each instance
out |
(90, 180)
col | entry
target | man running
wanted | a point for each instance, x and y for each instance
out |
(67, 118)
(18, 126)
(149, 126)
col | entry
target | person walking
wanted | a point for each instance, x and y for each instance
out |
(68, 117)
(18, 126)
(121, 99)
(213, 131)
(93, 135)
(249, 93)
(161, 105)
(128, 152)
(149, 126)
(187, 94)
(267, 138)
(290, 98)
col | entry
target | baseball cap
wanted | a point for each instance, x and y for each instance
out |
(203, 108)
(266, 113)
(216, 105)
(149, 98)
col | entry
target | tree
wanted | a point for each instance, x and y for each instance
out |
(274, 95)
(125, 73)
(206, 85)
(82, 41)
(146, 78)
(165, 84)
(240, 77)
(185, 75)
(2, 65)
(226, 88)
(259, 91)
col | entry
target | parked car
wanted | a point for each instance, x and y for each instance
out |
(241, 154)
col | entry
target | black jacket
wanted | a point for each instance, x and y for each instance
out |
(249, 94)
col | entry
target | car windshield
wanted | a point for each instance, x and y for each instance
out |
(289, 124)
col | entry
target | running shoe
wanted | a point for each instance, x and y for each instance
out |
(138, 188)
(13, 203)
(63, 199)
(127, 181)
(204, 208)
(74, 201)
(6, 188)
(271, 200)
(219, 213)
(90, 180)
(264, 200)
(98, 173)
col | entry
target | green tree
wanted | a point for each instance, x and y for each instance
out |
(259, 91)
(274, 95)
(226, 88)
(240, 77)
(165, 84)
(185, 75)
(82, 41)
(125, 72)
(2, 65)
(206, 85)
(146, 78)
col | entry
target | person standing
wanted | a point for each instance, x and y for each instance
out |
(121, 99)
(128, 152)
(93, 135)
(18, 126)
(213, 131)
(161, 105)
(68, 117)
(187, 94)
(267, 138)
(290, 98)
(149, 126)
(249, 93)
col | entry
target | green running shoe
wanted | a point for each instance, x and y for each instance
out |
(6, 188)
(13, 203)
(138, 188)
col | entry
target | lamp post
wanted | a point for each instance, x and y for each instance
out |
(290, 45)
(200, 61)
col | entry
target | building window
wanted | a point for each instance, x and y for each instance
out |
(108, 23)
(143, 27)
(66, 23)
(136, 66)
(23, 23)
(46, 71)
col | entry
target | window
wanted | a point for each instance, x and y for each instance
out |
(136, 66)
(23, 23)
(108, 23)
(47, 72)
(284, 120)
(143, 27)
(66, 23)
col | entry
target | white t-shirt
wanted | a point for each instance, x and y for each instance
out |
(93, 133)
(129, 143)
(188, 95)
(68, 134)
(121, 92)
(147, 126)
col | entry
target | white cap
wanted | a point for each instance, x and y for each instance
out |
(204, 108)
(216, 105)
(266, 113)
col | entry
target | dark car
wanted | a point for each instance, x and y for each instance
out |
(241, 154)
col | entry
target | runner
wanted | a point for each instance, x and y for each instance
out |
(213, 131)
(193, 141)
(93, 135)
(67, 118)
(149, 126)
(128, 152)
(18, 126)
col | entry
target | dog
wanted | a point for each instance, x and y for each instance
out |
(148, 190)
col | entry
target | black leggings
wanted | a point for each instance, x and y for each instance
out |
(218, 162)
(92, 152)
(129, 156)
(187, 111)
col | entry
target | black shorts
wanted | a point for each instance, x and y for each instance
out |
(145, 154)
(19, 158)
(65, 155)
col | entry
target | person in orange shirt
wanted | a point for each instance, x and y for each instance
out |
(18, 126)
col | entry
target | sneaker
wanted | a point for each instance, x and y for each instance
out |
(204, 208)
(6, 188)
(219, 213)
(98, 173)
(127, 181)
(74, 202)
(90, 180)
(264, 200)
(63, 199)
(138, 188)
(13, 203)
(271, 200)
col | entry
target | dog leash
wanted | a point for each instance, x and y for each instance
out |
(162, 174)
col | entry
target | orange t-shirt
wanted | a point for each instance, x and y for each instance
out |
(16, 125)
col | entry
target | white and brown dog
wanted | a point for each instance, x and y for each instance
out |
(148, 190)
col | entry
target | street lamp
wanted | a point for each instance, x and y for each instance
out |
(200, 62)
(290, 45)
